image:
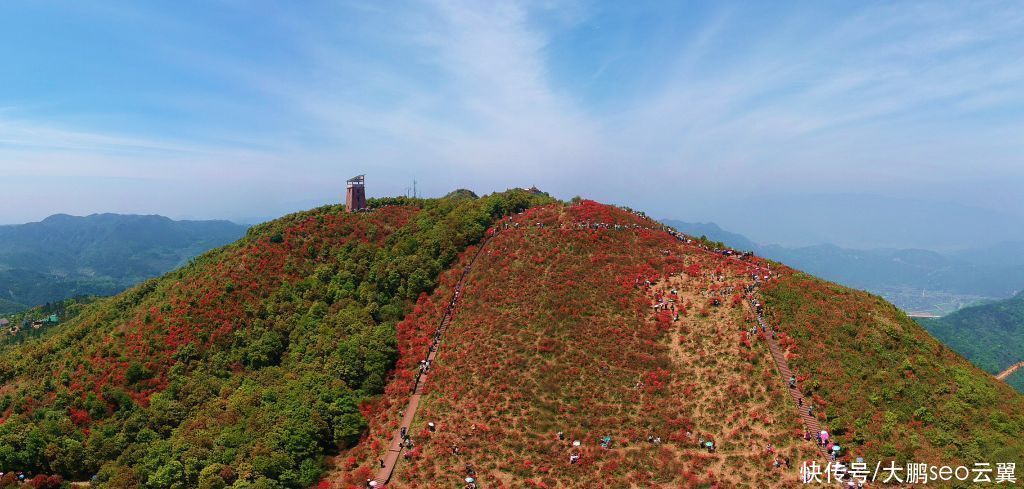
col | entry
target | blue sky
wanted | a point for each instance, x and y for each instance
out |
(685, 109)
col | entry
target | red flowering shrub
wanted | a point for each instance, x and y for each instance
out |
(46, 482)
(571, 321)
(264, 354)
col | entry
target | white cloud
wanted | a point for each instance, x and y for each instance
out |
(462, 93)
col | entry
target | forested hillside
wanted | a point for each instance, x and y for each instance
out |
(885, 385)
(9, 307)
(287, 360)
(244, 367)
(587, 323)
(65, 256)
(990, 335)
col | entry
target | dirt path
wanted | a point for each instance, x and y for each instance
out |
(397, 446)
(1008, 372)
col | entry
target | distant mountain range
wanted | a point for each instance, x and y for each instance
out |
(990, 335)
(863, 221)
(65, 256)
(916, 280)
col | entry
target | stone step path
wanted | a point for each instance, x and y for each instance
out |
(803, 405)
(397, 446)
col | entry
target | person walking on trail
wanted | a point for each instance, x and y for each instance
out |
(792, 382)
(574, 457)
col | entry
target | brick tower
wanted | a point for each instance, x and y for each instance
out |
(355, 194)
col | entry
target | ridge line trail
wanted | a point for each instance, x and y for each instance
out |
(396, 447)
(1005, 374)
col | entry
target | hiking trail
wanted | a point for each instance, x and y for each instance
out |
(397, 447)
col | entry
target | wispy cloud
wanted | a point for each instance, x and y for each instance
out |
(464, 93)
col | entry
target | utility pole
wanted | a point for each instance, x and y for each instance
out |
(414, 188)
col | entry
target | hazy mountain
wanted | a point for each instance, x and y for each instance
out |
(865, 221)
(64, 256)
(713, 232)
(916, 280)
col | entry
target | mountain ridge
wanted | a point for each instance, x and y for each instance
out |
(64, 256)
(246, 365)
(517, 338)
(917, 280)
(267, 361)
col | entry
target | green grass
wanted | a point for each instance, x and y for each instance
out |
(888, 388)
